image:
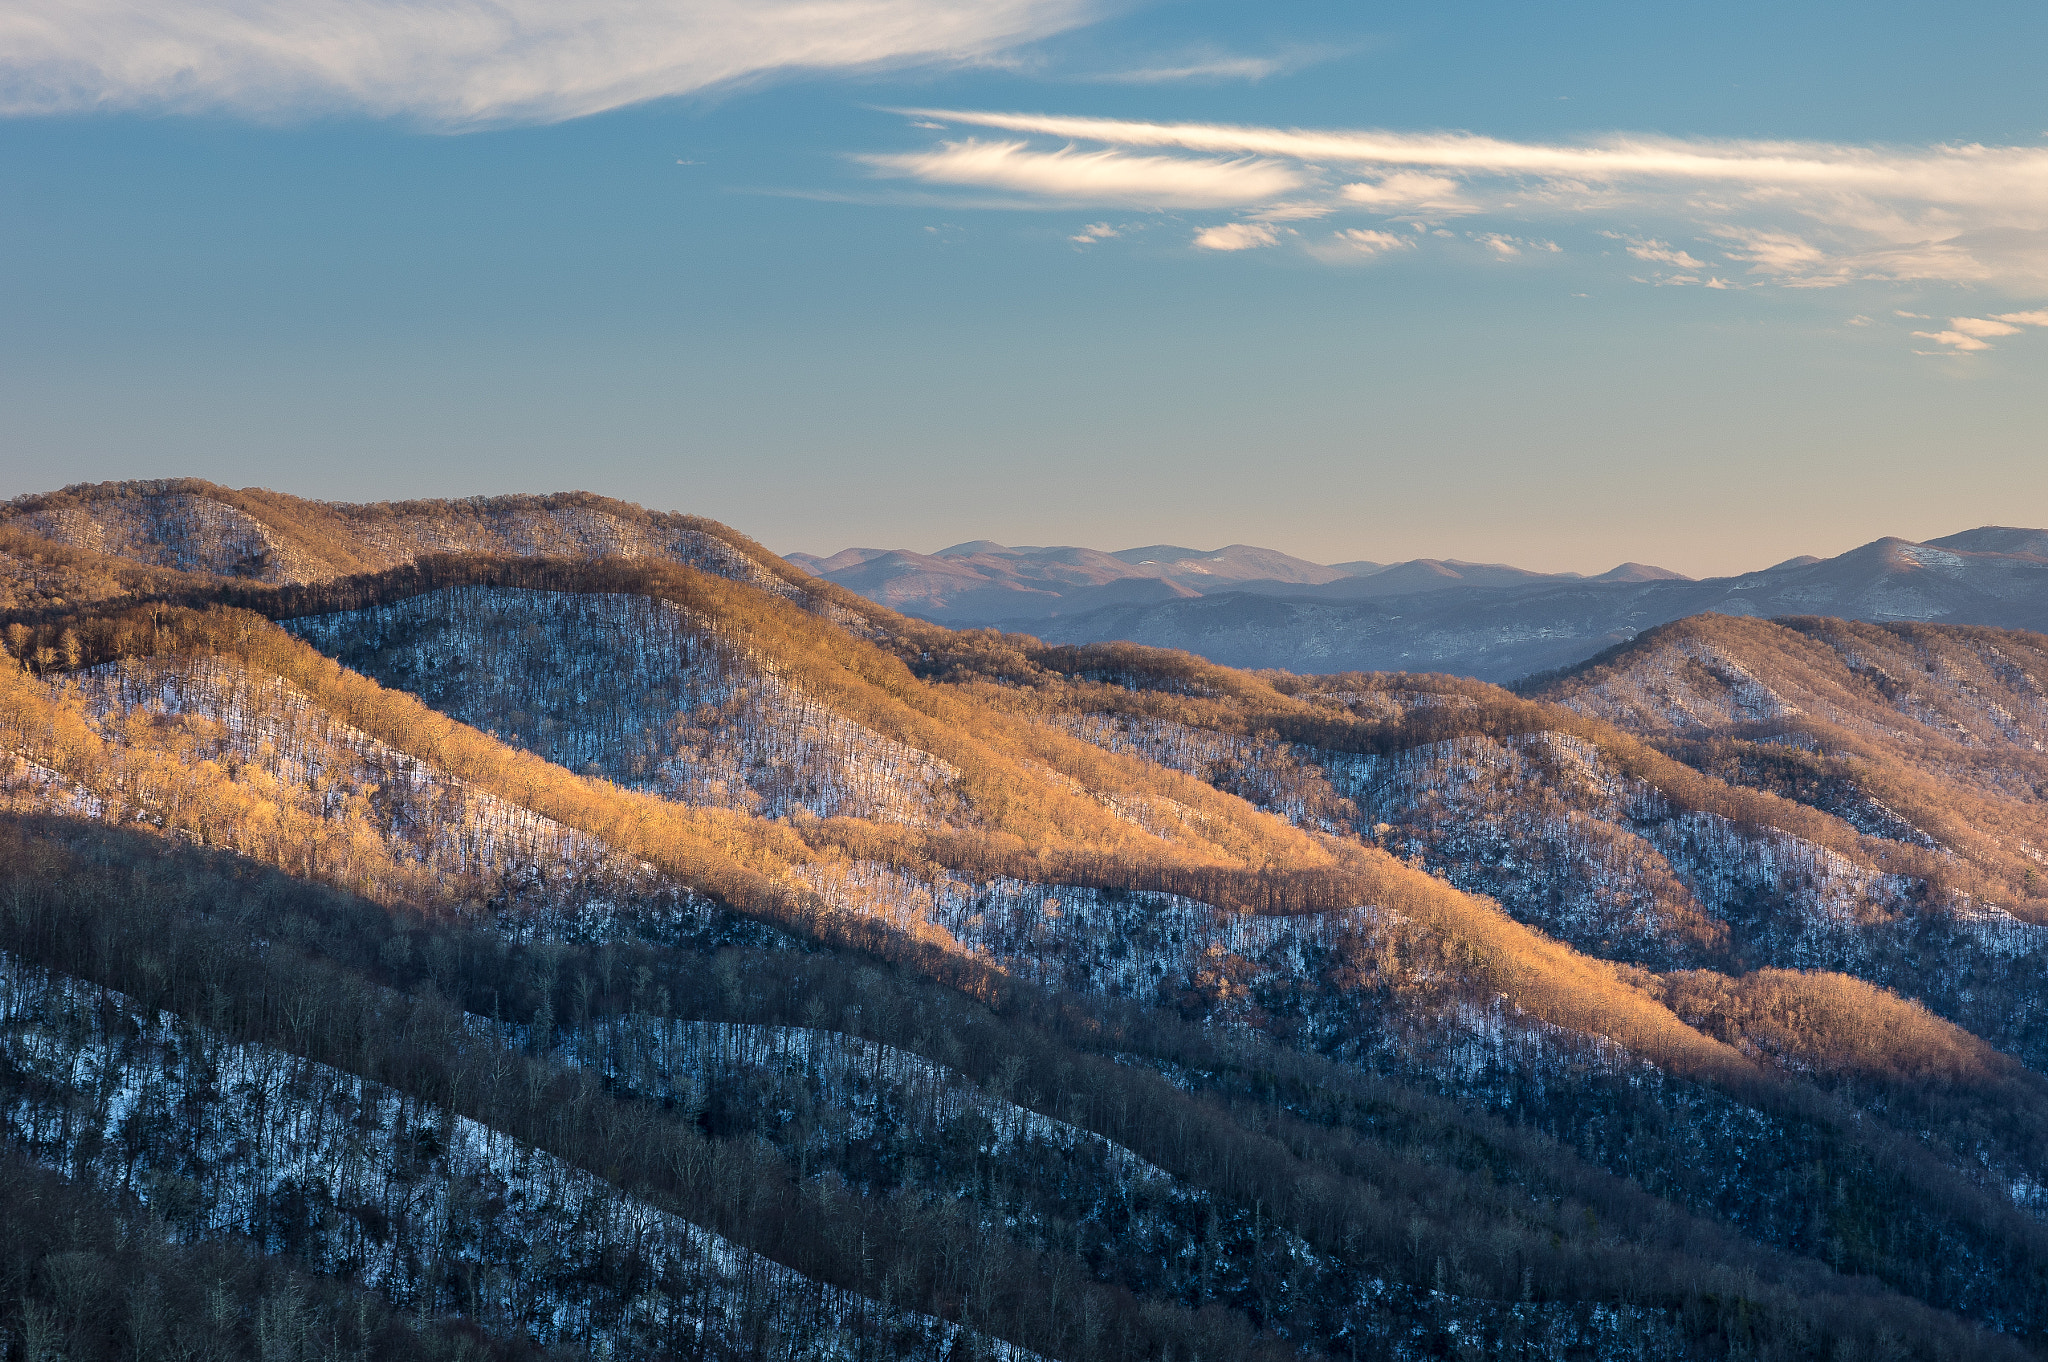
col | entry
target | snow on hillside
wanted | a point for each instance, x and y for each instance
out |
(443, 1215)
(31, 787)
(439, 1213)
(1543, 825)
(566, 531)
(386, 821)
(1534, 822)
(1978, 690)
(1260, 974)
(273, 739)
(889, 1118)
(192, 526)
(179, 530)
(1356, 987)
(877, 1086)
(639, 691)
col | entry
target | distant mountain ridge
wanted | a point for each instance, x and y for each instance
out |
(1247, 607)
(1994, 575)
(981, 582)
(1239, 605)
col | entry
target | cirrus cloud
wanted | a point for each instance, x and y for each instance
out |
(1110, 177)
(1657, 252)
(469, 63)
(1986, 176)
(1353, 244)
(1797, 214)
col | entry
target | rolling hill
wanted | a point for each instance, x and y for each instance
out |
(543, 927)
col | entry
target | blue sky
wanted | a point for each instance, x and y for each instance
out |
(1351, 281)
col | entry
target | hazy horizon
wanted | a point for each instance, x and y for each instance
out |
(1539, 554)
(1362, 557)
(1558, 290)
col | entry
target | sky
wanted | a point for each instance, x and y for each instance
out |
(1701, 286)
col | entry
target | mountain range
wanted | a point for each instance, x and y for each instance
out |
(542, 927)
(983, 583)
(1254, 608)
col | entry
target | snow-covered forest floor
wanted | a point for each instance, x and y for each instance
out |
(434, 1210)
(1543, 825)
(637, 690)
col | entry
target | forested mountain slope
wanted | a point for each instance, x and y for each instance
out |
(1916, 733)
(189, 525)
(836, 981)
(1962, 706)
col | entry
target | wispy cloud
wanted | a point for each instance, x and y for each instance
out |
(1212, 64)
(1657, 252)
(1411, 191)
(1295, 210)
(1960, 342)
(1106, 177)
(1799, 214)
(1962, 174)
(466, 63)
(1353, 244)
(1211, 68)
(1983, 326)
(1237, 236)
(1968, 335)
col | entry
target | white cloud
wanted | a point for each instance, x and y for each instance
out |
(1360, 243)
(1294, 210)
(1977, 333)
(1798, 214)
(1962, 174)
(1773, 252)
(1214, 64)
(1657, 252)
(1071, 176)
(1959, 341)
(1511, 247)
(1095, 231)
(466, 63)
(1207, 68)
(1982, 326)
(1236, 236)
(1410, 191)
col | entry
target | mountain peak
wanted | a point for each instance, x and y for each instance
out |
(1640, 572)
(1996, 539)
(976, 546)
